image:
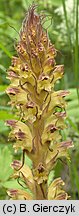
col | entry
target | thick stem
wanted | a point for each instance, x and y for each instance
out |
(38, 158)
(39, 192)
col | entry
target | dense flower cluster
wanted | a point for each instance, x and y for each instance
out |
(41, 109)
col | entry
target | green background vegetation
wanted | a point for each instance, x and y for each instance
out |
(62, 23)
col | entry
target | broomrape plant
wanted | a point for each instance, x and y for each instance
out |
(41, 109)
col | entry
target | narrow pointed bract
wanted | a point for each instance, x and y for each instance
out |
(41, 109)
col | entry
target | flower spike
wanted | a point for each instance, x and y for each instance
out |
(42, 110)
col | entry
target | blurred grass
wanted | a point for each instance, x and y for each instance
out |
(5, 50)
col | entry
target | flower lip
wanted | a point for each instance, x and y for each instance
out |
(16, 164)
(25, 67)
(50, 62)
(40, 47)
(13, 192)
(11, 122)
(60, 114)
(12, 74)
(59, 68)
(51, 50)
(30, 104)
(67, 144)
(62, 196)
(43, 77)
(12, 90)
(20, 135)
(41, 168)
(14, 61)
(52, 128)
(63, 93)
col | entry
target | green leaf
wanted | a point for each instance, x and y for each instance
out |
(74, 113)
(5, 50)
(28, 161)
(76, 177)
(2, 69)
(3, 127)
(2, 93)
(2, 89)
(5, 115)
(73, 124)
(51, 177)
(72, 104)
(11, 184)
(26, 3)
(72, 95)
(8, 108)
(56, 2)
(5, 161)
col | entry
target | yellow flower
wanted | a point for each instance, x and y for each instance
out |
(55, 191)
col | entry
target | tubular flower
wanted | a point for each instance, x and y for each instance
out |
(41, 111)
